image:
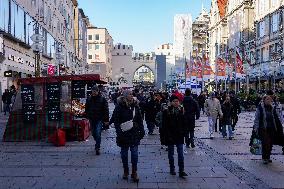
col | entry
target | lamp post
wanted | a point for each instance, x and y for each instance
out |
(37, 47)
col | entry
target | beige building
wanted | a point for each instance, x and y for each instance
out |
(100, 46)
(231, 29)
(200, 35)
(269, 40)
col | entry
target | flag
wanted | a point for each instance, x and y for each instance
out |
(187, 70)
(207, 70)
(239, 65)
(220, 69)
(193, 70)
(199, 69)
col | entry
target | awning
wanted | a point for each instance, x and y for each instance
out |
(56, 79)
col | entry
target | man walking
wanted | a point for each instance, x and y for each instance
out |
(236, 109)
(7, 99)
(97, 111)
(212, 109)
(191, 112)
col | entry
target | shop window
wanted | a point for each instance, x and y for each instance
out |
(4, 15)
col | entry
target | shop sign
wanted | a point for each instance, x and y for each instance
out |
(8, 73)
(20, 60)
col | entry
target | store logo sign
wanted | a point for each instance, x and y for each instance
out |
(20, 60)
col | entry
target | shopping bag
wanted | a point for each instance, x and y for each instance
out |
(126, 126)
(256, 147)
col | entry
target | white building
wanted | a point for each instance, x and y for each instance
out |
(18, 21)
(168, 51)
(182, 41)
(100, 46)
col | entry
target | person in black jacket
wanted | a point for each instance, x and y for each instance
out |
(97, 112)
(7, 100)
(128, 112)
(227, 109)
(174, 130)
(191, 112)
(236, 109)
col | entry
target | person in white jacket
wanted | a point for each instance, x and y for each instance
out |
(212, 109)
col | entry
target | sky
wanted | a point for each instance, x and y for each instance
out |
(145, 24)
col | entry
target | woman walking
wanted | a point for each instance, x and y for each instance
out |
(129, 129)
(227, 109)
(268, 127)
(173, 127)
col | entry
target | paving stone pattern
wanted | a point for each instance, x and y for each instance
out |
(217, 163)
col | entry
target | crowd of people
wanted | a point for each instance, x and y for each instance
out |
(175, 114)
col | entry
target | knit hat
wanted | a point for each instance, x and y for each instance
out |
(125, 93)
(173, 97)
(95, 88)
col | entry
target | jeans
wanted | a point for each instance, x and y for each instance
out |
(171, 149)
(150, 126)
(212, 122)
(6, 108)
(96, 132)
(189, 137)
(224, 130)
(134, 156)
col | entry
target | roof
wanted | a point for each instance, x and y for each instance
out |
(56, 79)
(222, 4)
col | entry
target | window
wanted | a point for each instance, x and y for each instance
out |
(90, 37)
(274, 23)
(121, 70)
(89, 46)
(4, 15)
(118, 46)
(97, 67)
(124, 53)
(123, 46)
(97, 47)
(262, 55)
(90, 56)
(97, 37)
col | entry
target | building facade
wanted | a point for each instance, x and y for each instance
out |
(19, 20)
(269, 40)
(182, 41)
(80, 40)
(100, 46)
(168, 51)
(130, 68)
(200, 35)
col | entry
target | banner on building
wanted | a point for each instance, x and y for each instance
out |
(199, 74)
(193, 70)
(207, 70)
(220, 69)
(239, 65)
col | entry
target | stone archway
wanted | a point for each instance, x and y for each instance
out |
(143, 75)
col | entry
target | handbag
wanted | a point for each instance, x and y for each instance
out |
(126, 126)
(256, 147)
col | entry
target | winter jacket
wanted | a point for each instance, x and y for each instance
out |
(260, 124)
(236, 106)
(213, 107)
(151, 108)
(227, 109)
(191, 112)
(173, 126)
(7, 97)
(124, 113)
(96, 109)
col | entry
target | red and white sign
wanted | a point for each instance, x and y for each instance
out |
(50, 69)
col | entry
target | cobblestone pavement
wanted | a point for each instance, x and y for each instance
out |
(217, 163)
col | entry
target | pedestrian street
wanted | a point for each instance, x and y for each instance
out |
(217, 163)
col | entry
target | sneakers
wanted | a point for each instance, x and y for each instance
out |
(173, 172)
(182, 174)
(98, 152)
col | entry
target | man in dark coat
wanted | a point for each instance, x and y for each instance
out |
(236, 109)
(174, 130)
(7, 100)
(191, 112)
(97, 112)
(226, 121)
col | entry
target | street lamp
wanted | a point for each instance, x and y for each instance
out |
(37, 47)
